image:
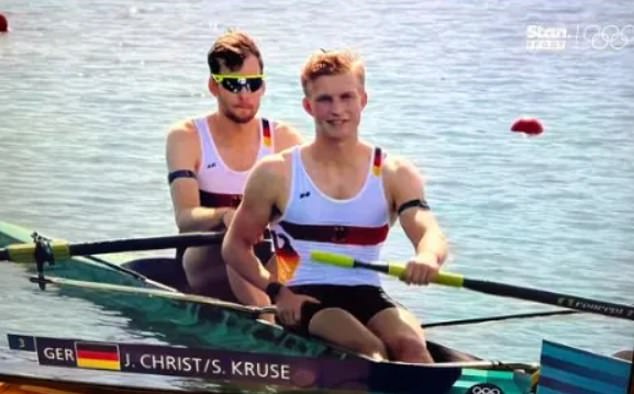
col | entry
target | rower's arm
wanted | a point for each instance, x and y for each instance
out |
(251, 218)
(286, 136)
(182, 154)
(417, 220)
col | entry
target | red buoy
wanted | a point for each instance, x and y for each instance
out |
(530, 126)
(4, 24)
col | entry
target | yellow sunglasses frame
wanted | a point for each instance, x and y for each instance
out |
(220, 77)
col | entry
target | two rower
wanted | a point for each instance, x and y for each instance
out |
(337, 193)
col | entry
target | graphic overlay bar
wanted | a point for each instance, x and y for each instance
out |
(223, 365)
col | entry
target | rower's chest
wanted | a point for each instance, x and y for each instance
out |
(338, 184)
(238, 158)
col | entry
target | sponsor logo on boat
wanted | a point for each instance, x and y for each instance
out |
(484, 388)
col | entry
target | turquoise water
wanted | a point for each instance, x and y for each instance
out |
(87, 93)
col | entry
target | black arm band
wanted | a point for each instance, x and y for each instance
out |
(273, 290)
(418, 203)
(180, 174)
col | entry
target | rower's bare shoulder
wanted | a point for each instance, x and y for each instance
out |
(400, 167)
(272, 167)
(183, 131)
(182, 147)
(266, 181)
(402, 177)
(286, 136)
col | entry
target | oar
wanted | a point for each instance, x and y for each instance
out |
(487, 319)
(173, 295)
(61, 250)
(482, 286)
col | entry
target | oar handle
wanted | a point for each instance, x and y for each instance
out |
(390, 268)
(443, 278)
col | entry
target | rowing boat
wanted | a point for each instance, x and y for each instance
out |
(195, 321)
(209, 329)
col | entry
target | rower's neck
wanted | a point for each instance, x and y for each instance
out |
(338, 153)
(231, 131)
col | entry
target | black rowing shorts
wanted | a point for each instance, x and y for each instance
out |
(361, 301)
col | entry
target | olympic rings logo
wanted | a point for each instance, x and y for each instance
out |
(484, 388)
(607, 36)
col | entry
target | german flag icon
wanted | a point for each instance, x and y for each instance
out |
(97, 356)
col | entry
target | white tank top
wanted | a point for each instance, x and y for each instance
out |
(219, 185)
(312, 220)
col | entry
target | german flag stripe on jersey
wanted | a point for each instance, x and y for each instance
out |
(266, 133)
(378, 161)
(287, 264)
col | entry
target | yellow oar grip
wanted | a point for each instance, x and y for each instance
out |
(449, 279)
(25, 253)
(21, 253)
(332, 258)
(443, 278)
(395, 269)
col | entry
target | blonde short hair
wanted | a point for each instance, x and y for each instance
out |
(332, 63)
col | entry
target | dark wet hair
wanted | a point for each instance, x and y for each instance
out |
(230, 50)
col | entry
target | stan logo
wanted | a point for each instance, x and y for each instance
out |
(304, 195)
(212, 165)
(546, 38)
(484, 388)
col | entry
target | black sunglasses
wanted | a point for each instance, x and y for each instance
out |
(235, 83)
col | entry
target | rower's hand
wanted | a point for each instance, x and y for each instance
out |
(289, 306)
(421, 270)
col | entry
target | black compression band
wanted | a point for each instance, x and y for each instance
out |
(419, 203)
(180, 174)
(273, 290)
